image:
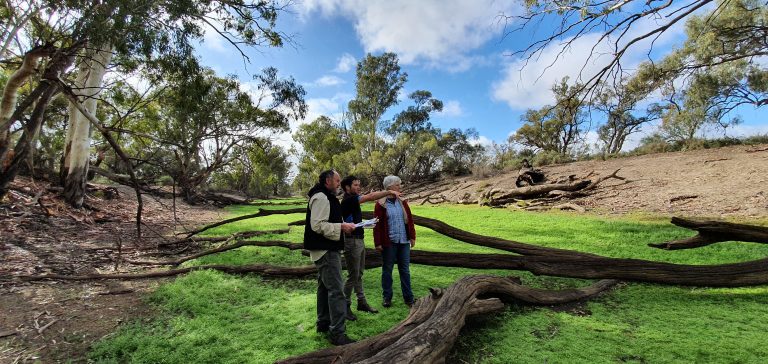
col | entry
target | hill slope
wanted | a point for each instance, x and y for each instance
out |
(730, 181)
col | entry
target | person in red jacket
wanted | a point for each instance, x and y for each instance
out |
(394, 236)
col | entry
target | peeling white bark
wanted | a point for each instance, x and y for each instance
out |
(78, 140)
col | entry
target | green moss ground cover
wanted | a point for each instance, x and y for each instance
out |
(211, 317)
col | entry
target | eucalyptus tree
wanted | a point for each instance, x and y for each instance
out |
(204, 119)
(460, 152)
(415, 154)
(135, 31)
(720, 67)
(555, 128)
(618, 27)
(260, 169)
(618, 104)
(379, 81)
(322, 145)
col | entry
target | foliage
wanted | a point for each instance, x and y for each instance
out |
(410, 146)
(204, 123)
(460, 153)
(656, 143)
(260, 169)
(379, 80)
(719, 67)
(210, 316)
(554, 128)
(144, 35)
(544, 158)
(323, 143)
(617, 103)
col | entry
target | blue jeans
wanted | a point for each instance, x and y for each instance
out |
(400, 254)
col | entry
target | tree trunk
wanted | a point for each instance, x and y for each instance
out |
(25, 144)
(78, 142)
(60, 61)
(11, 94)
(430, 330)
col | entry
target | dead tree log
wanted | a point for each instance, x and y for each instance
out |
(223, 248)
(224, 199)
(532, 191)
(245, 217)
(568, 189)
(261, 269)
(218, 239)
(572, 264)
(711, 232)
(434, 323)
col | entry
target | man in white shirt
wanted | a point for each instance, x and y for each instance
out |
(324, 238)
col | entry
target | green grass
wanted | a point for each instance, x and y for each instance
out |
(219, 318)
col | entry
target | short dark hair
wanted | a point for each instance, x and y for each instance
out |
(324, 175)
(347, 181)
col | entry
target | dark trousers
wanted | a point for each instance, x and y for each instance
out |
(331, 305)
(354, 256)
(400, 254)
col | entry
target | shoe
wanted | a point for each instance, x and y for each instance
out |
(409, 304)
(322, 329)
(342, 339)
(350, 316)
(387, 303)
(365, 307)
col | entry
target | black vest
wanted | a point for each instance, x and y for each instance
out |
(316, 241)
(350, 210)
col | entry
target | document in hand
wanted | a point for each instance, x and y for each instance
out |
(367, 224)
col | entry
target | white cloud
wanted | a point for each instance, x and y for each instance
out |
(346, 63)
(526, 83)
(213, 40)
(327, 80)
(436, 33)
(451, 108)
(331, 107)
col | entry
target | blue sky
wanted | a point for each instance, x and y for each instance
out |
(453, 48)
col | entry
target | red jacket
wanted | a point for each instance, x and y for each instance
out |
(381, 230)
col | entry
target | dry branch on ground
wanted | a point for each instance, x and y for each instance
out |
(434, 322)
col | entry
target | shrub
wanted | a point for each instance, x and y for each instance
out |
(550, 157)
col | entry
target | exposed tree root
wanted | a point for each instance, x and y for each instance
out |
(434, 323)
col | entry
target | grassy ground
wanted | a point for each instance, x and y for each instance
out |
(219, 318)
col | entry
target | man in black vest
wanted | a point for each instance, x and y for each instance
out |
(323, 237)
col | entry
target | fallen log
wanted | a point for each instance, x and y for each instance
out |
(261, 212)
(261, 269)
(218, 239)
(434, 323)
(534, 191)
(573, 264)
(220, 249)
(710, 232)
(224, 199)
